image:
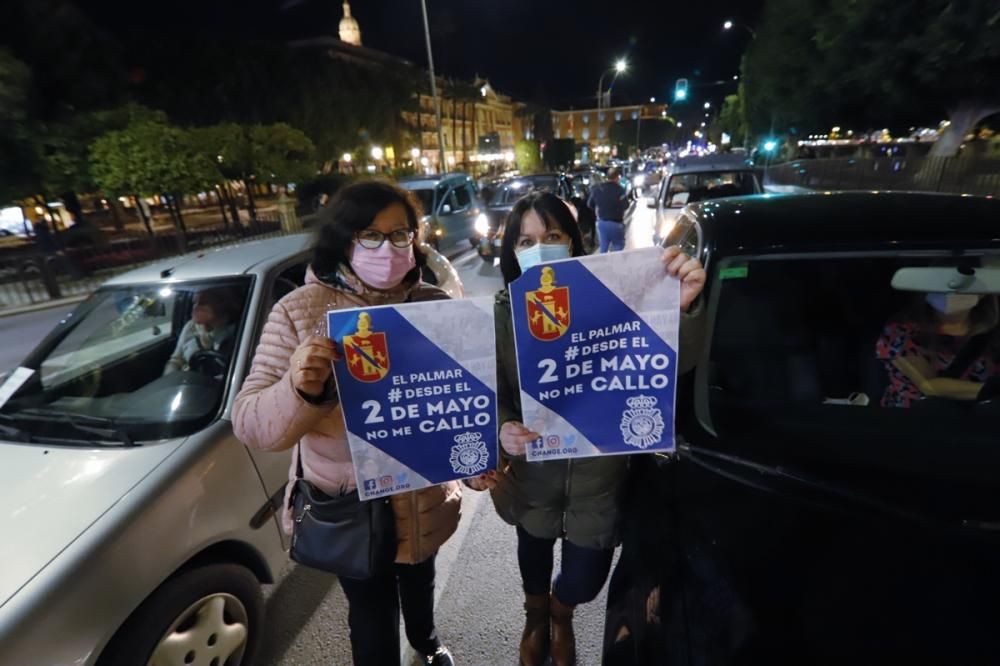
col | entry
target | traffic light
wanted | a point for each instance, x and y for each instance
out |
(680, 90)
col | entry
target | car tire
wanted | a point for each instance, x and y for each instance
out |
(474, 242)
(187, 614)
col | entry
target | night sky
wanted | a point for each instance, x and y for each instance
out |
(549, 51)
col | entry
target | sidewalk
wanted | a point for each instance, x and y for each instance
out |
(44, 305)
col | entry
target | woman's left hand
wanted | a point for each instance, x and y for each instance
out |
(686, 269)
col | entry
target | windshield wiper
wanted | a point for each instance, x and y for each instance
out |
(13, 432)
(102, 426)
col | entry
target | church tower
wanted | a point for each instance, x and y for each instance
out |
(350, 31)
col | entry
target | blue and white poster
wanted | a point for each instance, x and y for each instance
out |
(417, 388)
(596, 342)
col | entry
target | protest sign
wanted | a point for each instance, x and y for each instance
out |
(596, 342)
(417, 387)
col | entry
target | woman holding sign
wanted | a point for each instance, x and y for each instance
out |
(574, 501)
(365, 256)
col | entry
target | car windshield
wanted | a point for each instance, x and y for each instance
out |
(132, 363)
(712, 185)
(426, 199)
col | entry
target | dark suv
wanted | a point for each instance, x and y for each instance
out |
(828, 504)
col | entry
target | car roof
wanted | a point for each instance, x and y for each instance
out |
(251, 257)
(421, 182)
(827, 220)
(711, 163)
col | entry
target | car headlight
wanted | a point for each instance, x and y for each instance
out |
(482, 225)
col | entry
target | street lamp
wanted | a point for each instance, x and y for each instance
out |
(729, 25)
(377, 153)
(621, 66)
(652, 100)
(708, 105)
(434, 91)
(414, 153)
(346, 157)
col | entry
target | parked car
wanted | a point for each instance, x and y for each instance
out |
(809, 517)
(138, 529)
(506, 194)
(693, 179)
(453, 210)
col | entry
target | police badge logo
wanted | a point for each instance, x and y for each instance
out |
(548, 308)
(367, 352)
(642, 423)
(469, 455)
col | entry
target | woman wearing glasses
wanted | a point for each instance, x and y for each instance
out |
(365, 256)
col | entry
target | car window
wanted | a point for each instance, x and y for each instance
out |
(807, 345)
(151, 360)
(122, 321)
(712, 185)
(462, 198)
(426, 198)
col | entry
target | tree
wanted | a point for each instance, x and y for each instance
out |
(729, 121)
(652, 132)
(873, 63)
(527, 156)
(16, 155)
(149, 158)
(254, 154)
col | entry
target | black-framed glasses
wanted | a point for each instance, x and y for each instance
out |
(372, 239)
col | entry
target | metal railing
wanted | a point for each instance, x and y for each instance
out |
(29, 276)
(956, 175)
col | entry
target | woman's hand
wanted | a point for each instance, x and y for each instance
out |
(310, 364)
(514, 437)
(487, 481)
(688, 270)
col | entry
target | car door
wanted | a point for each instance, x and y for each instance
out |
(817, 521)
(451, 218)
(273, 467)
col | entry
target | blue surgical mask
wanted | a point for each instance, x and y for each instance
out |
(541, 253)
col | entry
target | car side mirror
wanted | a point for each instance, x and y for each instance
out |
(445, 209)
(651, 202)
(678, 200)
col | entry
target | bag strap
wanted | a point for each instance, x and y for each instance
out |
(299, 472)
(966, 356)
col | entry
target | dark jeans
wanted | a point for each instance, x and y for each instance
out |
(611, 235)
(373, 613)
(584, 570)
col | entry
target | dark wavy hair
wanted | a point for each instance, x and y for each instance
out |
(353, 209)
(554, 213)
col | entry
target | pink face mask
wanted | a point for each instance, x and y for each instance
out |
(384, 267)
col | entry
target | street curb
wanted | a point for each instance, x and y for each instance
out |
(47, 305)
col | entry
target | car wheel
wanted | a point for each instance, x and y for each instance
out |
(209, 615)
(474, 242)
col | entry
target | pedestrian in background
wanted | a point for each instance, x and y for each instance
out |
(610, 201)
(365, 256)
(577, 501)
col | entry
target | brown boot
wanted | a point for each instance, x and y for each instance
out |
(535, 639)
(563, 639)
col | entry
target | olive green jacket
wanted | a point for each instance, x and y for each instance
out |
(575, 499)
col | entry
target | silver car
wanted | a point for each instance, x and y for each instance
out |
(137, 528)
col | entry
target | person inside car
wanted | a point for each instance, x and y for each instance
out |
(945, 346)
(212, 327)
(576, 503)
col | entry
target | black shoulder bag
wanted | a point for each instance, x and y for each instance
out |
(341, 535)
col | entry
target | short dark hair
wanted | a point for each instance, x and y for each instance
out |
(554, 213)
(353, 209)
(614, 172)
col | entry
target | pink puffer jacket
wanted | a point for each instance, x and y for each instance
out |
(270, 415)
